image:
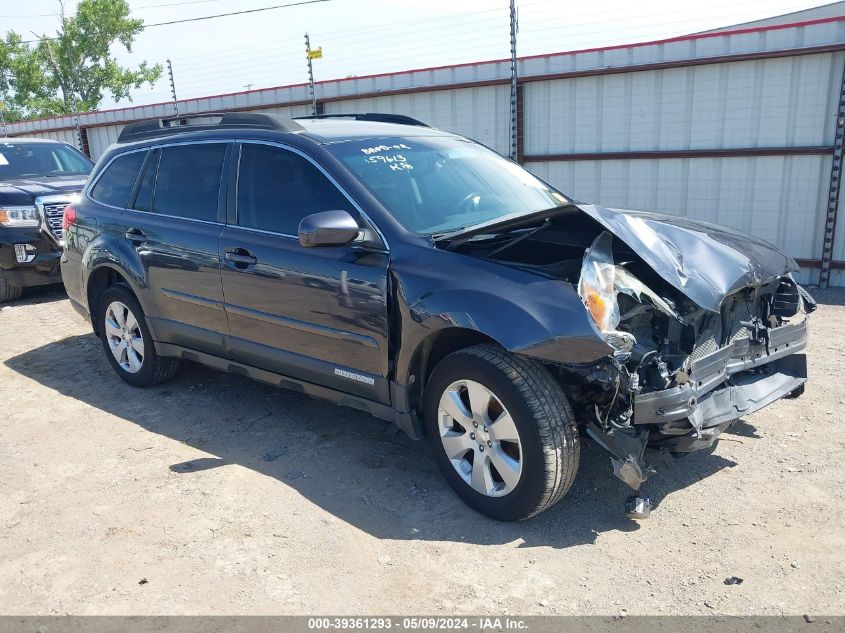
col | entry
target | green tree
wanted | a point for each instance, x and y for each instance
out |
(23, 88)
(72, 70)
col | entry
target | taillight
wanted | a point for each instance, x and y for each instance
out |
(69, 217)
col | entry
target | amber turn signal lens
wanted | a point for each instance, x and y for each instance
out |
(597, 307)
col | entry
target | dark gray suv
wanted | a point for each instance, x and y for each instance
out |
(419, 276)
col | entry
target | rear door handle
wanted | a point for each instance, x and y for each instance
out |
(240, 257)
(136, 236)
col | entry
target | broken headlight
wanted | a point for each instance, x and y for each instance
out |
(597, 287)
(597, 284)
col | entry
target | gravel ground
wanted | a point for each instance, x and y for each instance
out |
(213, 494)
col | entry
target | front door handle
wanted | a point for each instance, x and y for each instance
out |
(136, 236)
(240, 257)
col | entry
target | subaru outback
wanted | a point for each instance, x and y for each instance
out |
(419, 276)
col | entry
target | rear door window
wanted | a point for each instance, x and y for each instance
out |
(188, 181)
(115, 184)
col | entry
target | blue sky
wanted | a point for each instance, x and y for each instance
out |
(371, 36)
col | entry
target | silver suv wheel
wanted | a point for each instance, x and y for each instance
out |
(480, 438)
(124, 337)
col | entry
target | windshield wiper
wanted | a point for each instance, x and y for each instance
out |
(501, 226)
(519, 238)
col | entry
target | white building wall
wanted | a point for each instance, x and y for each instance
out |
(777, 198)
(100, 137)
(482, 113)
(287, 111)
(763, 103)
(785, 102)
(65, 136)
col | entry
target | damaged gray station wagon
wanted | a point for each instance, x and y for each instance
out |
(417, 275)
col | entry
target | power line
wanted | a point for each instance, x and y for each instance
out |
(210, 17)
(226, 15)
(142, 6)
(173, 4)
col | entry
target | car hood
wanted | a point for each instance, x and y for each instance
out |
(25, 190)
(706, 262)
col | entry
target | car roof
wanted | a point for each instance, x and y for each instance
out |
(321, 129)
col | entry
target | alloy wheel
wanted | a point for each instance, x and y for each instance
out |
(124, 337)
(480, 438)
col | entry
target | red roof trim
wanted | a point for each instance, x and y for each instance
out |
(680, 38)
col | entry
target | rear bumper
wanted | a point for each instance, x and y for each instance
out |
(734, 381)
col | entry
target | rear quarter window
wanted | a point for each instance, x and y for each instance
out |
(115, 184)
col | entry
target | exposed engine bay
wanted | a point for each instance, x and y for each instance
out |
(689, 357)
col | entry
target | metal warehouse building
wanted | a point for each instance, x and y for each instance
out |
(740, 126)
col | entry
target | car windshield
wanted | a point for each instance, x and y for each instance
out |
(441, 184)
(27, 160)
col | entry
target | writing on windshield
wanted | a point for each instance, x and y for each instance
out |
(442, 183)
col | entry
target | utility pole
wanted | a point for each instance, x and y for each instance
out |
(248, 86)
(514, 115)
(828, 238)
(172, 87)
(76, 126)
(312, 55)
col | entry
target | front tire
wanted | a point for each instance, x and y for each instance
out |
(127, 341)
(8, 291)
(502, 432)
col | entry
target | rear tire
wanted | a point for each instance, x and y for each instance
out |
(537, 449)
(8, 291)
(127, 341)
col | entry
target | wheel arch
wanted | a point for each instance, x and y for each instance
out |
(99, 279)
(434, 348)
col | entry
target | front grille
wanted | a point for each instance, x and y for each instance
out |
(730, 326)
(742, 311)
(710, 338)
(53, 213)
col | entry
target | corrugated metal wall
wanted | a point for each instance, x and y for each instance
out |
(100, 137)
(65, 136)
(762, 103)
(480, 113)
(787, 102)
(778, 198)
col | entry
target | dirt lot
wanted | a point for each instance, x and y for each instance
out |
(177, 500)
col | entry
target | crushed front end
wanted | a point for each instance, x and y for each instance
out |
(682, 374)
(705, 324)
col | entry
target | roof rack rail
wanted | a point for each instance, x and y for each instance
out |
(228, 120)
(382, 117)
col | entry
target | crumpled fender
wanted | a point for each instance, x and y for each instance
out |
(525, 313)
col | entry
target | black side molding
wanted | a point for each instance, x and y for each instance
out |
(405, 420)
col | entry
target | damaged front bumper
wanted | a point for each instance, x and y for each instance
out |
(734, 381)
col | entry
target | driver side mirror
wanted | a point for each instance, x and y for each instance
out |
(328, 228)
